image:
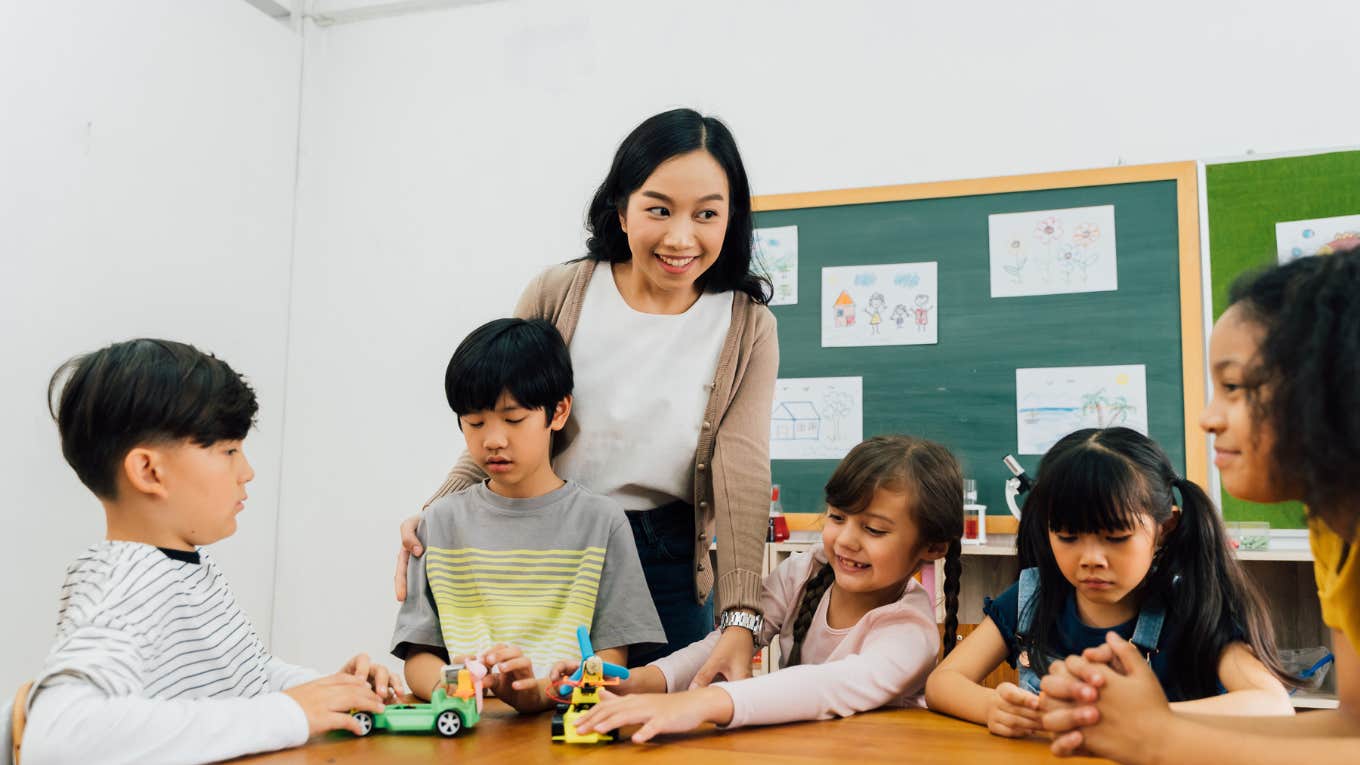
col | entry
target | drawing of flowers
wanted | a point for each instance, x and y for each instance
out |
(1085, 234)
(1048, 230)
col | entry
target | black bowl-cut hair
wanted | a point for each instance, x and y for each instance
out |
(139, 392)
(523, 357)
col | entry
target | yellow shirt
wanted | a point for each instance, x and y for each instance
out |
(1338, 581)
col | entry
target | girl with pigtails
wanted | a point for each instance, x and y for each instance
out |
(1113, 540)
(856, 628)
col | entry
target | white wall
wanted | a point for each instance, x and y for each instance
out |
(447, 156)
(147, 155)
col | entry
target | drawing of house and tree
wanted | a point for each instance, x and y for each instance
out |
(795, 421)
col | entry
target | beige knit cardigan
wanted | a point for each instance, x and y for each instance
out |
(732, 460)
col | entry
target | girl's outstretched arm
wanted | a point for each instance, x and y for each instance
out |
(955, 688)
(1252, 689)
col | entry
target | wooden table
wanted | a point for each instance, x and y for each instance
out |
(503, 737)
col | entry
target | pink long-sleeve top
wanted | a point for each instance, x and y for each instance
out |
(882, 660)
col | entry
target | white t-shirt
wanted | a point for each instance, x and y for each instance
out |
(642, 383)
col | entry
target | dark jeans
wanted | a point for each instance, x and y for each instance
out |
(665, 544)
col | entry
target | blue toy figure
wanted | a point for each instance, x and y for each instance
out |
(584, 688)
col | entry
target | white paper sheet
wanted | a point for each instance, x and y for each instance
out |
(1054, 401)
(816, 418)
(894, 304)
(1048, 252)
(1320, 236)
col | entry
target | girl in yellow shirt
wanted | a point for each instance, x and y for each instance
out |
(1285, 416)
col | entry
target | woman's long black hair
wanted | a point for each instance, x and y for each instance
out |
(1098, 481)
(659, 138)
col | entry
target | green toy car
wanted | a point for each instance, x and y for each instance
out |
(455, 705)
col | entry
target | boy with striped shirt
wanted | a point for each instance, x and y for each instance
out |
(154, 661)
(514, 564)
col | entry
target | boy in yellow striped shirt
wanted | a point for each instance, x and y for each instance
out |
(515, 563)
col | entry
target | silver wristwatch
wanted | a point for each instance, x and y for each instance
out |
(752, 622)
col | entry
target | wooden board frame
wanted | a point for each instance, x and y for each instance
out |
(1186, 177)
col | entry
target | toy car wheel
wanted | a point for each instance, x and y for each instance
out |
(449, 723)
(365, 723)
(614, 736)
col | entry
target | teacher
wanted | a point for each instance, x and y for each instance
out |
(675, 356)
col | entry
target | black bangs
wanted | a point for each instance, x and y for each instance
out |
(525, 358)
(1084, 487)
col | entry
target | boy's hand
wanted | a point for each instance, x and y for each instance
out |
(378, 677)
(1014, 712)
(410, 545)
(730, 660)
(658, 712)
(512, 679)
(327, 702)
(562, 671)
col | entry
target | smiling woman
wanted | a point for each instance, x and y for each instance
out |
(675, 355)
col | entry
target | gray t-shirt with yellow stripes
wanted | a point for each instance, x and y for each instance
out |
(526, 572)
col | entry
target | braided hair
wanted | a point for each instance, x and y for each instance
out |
(927, 472)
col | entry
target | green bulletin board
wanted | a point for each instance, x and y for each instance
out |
(1244, 201)
(961, 391)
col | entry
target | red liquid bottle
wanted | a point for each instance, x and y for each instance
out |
(779, 526)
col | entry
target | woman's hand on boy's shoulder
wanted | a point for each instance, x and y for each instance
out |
(410, 545)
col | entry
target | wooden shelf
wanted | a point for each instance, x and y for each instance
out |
(1314, 700)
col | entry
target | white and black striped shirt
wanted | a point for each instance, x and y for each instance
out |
(138, 622)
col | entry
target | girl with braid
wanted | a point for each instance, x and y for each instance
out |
(1113, 541)
(857, 630)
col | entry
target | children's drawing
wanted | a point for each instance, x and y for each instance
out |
(816, 418)
(856, 303)
(1049, 252)
(795, 421)
(1321, 236)
(776, 251)
(844, 310)
(900, 315)
(877, 305)
(1054, 401)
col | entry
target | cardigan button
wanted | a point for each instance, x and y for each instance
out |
(700, 467)
(708, 425)
(703, 505)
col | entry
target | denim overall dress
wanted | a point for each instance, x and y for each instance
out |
(1146, 632)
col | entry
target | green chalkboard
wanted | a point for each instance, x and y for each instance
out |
(961, 391)
(1244, 202)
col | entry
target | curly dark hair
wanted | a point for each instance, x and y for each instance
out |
(1305, 384)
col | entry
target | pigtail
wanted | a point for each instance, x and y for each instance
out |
(953, 570)
(813, 591)
(1204, 586)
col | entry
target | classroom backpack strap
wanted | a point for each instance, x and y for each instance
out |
(1028, 591)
